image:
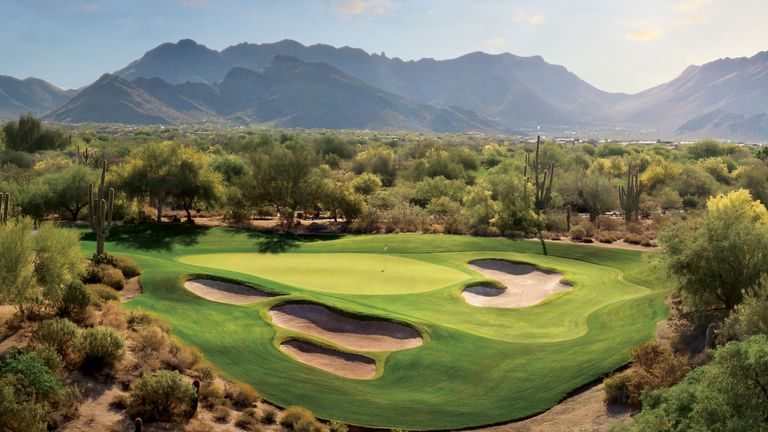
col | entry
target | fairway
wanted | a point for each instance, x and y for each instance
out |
(400, 348)
(344, 273)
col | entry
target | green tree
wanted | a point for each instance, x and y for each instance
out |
(68, 189)
(285, 178)
(596, 194)
(195, 182)
(380, 161)
(717, 257)
(151, 171)
(28, 134)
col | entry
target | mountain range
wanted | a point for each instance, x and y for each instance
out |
(287, 84)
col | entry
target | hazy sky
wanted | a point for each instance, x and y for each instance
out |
(616, 45)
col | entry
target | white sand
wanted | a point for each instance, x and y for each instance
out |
(338, 363)
(225, 292)
(356, 334)
(526, 285)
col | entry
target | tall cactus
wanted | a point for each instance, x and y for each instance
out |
(5, 205)
(542, 186)
(542, 179)
(83, 156)
(629, 195)
(100, 210)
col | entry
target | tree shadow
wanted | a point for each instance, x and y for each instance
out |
(157, 237)
(277, 243)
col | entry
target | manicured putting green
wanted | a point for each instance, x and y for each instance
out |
(343, 273)
(477, 366)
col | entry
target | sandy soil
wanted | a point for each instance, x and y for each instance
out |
(338, 363)
(356, 334)
(526, 284)
(131, 290)
(584, 411)
(225, 292)
(619, 244)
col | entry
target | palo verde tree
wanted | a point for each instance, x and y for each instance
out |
(718, 257)
(285, 178)
(629, 195)
(195, 182)
(542, 178)
(68, 189)
(100, 210)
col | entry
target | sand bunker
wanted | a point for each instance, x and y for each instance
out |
(225, 292)
(356, 334)
(336, 362)
(526, 284)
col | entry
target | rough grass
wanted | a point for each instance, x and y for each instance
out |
(478, 365)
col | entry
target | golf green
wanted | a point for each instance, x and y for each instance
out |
(344, 273)
(476, 366)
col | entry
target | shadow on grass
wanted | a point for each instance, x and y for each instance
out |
(159, 237)
(269, 242)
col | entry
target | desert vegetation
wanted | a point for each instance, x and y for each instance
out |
(105, 234)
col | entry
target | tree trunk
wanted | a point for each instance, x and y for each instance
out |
(189, 215)
(159, 208)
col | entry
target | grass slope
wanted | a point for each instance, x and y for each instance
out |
(478, 365)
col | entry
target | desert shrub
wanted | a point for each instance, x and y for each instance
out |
(242, 395)
(152, 339)
(112, 315)
(221, 414)
(608, 223)
(337, 426)
(19, 408)
(248, 422)
(162, 395)
(633, 238)
(139, 318)
(205, 372)
(577, 233)
(127, 266)
(307, 425)
(293, 415)
(211, 395)
(112, 277)
(635, 228)
(181, 358)
(74, 299)
(50, 356)
(608, 236)
(654, 366)
(100, 347)
(58, 333)
(555, 222)
(32, 368)
(268, 415)
(92, 274)
(101, 293)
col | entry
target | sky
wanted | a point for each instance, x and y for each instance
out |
(615, 45)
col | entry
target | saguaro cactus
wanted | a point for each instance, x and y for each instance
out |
(5, 205)
(100, 210)
(629, 195)
(542, 186)
(83, 156)
(542, 179)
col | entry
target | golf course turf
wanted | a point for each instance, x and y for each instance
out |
(476, 366)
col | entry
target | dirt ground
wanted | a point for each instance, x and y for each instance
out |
(584, 411)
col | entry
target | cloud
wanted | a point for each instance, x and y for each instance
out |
(351, 8)
(521, 16)
(645, 35)
(496, 44)
(688, 6)
(693, 19)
